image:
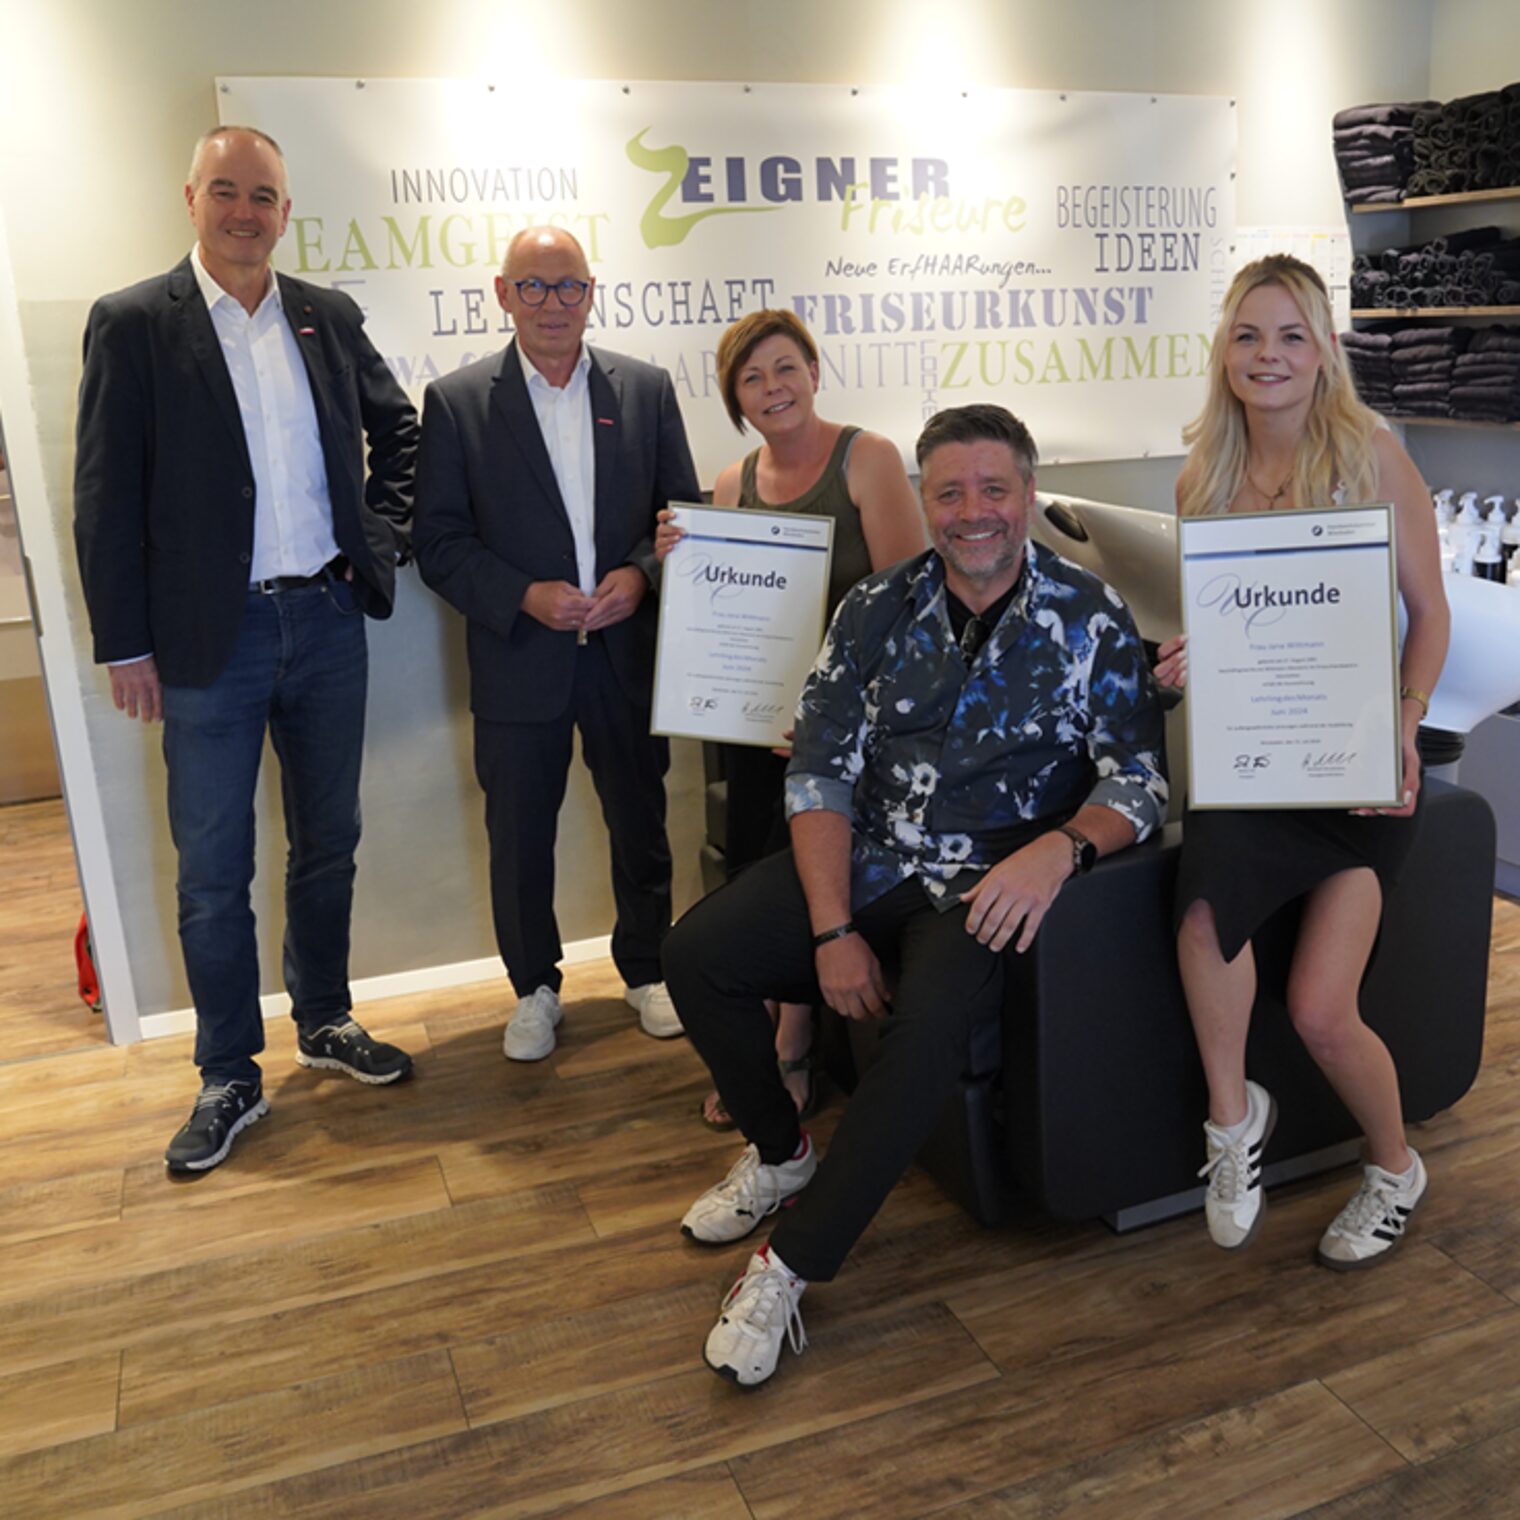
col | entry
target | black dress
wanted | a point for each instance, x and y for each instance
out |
(1247, 865)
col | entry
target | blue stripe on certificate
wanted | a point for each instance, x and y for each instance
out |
(765, 543)
(1382, 543)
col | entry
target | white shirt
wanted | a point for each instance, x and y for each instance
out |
(292, 512)
(564, 419)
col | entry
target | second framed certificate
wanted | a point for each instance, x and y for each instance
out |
(742, 602)
(1293, 676)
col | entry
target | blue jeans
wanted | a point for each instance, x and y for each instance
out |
(300, 669)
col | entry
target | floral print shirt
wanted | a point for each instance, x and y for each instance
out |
(946, 767)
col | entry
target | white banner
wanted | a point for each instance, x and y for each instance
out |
(1064, 254)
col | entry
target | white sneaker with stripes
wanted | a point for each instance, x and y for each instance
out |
(1235, 1202)
(1373, 1223)
(751, 1192)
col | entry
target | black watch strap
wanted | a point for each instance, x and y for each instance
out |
(1084, 853)
(838, 932)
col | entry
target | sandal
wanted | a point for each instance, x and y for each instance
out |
(714, 1115)
(804, 1064)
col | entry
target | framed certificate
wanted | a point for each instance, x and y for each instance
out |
(742, 601)
(1293, 674)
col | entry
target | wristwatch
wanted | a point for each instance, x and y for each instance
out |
(1084, 853)
(829, 935)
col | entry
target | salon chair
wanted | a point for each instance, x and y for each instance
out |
(1088, 1096)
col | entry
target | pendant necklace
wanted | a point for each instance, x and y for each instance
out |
(1277, 495)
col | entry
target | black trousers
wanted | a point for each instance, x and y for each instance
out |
(523, 768)
(751, 940)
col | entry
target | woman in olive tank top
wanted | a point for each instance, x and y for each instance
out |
(768, 374)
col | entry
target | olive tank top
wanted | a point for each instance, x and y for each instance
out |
(829, 497)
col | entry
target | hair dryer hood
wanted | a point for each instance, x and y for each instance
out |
(1133, 549)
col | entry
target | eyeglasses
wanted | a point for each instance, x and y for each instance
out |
(536, 292)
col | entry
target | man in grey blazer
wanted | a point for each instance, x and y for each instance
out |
(541, 472)
(230, 544)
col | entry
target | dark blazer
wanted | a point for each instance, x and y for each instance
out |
(163, 488)
(490, 521)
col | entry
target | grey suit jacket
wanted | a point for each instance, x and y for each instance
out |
(490, 521)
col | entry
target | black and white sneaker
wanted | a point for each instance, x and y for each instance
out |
(1235, 1202)
(347, 1047)
(1373, 1223)
(222, 1111)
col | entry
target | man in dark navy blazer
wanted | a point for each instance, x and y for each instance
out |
(230, 546)
(542, 469)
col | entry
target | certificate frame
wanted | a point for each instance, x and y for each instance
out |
(1316, 673)
(731, 654)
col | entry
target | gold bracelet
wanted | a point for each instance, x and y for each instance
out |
(1414, 694)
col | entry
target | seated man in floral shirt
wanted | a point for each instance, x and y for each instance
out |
(980, 725)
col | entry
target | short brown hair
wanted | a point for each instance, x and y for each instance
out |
(744, 337)
(982, 421)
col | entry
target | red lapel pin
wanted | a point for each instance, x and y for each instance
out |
(606, 421)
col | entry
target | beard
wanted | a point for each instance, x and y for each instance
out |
(985, 560)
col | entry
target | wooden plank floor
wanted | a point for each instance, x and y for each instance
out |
(40, 906)
(467, 1297)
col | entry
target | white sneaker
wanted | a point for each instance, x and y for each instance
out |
(657, 1014)
(1373, 1223)
(530, 1031)
(759, 1313)
(751, 1192)
(1235, 1201)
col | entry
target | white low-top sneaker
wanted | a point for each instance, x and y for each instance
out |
(1236, 1202)
(530, 1031)
(751, 1192)
(657, 1014)
(1373, 1223)
(759, 1314)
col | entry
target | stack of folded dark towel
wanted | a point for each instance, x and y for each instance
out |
(1387, 153)
(1478, 267)
(1471, 373)
(1467, 144)
(1370, 354)
(1374, 149)
(1485, 381)
(1423, 365)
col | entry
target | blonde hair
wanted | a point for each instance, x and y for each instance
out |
(1335, 453)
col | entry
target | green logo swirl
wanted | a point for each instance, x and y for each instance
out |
(657, 229)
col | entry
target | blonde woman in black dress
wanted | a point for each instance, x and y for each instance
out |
(1283, 428)
(768, 375)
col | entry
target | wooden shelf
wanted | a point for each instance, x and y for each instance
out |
(1385, 312)
(1450, 422)
(1419, 202)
